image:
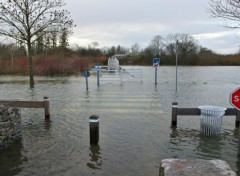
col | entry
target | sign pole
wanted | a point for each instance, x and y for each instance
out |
(156, 62)
(155, 75)
(98, 69)
(235, 102)
(86, 74)
(98, 75)
(86, 83)
(176, 64)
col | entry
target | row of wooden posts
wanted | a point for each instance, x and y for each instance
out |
(94, 119)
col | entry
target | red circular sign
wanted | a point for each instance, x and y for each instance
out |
(235, 98)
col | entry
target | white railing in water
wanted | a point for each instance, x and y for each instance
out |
(122, 75)
(132, 74)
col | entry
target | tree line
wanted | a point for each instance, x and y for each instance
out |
(42, 27)
(165, 48)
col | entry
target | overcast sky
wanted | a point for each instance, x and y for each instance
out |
(125, 22)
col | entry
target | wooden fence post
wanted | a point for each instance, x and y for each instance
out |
(46, 107)
(94, 129)
(237, 126)
(174, 113)
(237, 118)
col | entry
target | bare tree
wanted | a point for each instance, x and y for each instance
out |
(157, 45)
(95, 44)
(171, 44)
(187, 45)
(54, 38)
(26, 20)
(63, 38)
(228, 10)
(135, 49)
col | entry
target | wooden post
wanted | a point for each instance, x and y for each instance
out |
(174, 113)
(238, 145)
(46, 107)
(237, 118)
(237, 126)
(94, 129)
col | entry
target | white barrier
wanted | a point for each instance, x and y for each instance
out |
(122, 75)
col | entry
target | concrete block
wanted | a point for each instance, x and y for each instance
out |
(198, 167)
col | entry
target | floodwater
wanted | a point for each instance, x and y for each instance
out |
(135, 123)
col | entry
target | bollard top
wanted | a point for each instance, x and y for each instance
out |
(174, 103)
(94, 118)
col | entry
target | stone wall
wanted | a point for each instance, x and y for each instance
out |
(10, 126)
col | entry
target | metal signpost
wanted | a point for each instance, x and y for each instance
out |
(98, 68)
(156, 62)
(176, 64)
(86, 74)
(235, 102)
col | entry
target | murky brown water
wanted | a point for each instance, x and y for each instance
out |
(135, 117)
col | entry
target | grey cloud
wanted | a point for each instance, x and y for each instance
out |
(125, 22)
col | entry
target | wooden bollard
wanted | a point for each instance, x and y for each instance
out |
(94, 129)
(46, 107)
(174, 113)
(237, 121)
(237, 126)
(238, 154)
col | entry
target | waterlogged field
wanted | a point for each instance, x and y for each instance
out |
(135, 118)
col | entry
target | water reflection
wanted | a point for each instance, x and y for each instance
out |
(47, 124)
(192, 142)
(236, 134)
(31, 93)
(57, 148)
(11, 159)
(209, 146)
(95, 157)
(238, 166)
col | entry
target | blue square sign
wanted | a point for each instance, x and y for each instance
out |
(86, 73)
(156, 62)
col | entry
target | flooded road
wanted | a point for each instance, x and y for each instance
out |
(135, 123)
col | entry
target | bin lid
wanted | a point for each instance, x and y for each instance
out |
(212, 110)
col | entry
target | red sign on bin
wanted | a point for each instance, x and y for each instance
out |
(235, 98)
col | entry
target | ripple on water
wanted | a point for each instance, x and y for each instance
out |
(135, 118)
